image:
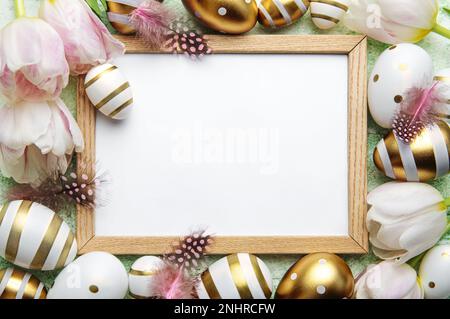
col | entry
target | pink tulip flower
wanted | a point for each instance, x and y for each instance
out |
(87, 41)
(32, 62)
(37, 140)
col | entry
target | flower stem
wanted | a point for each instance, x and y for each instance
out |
(19, 8)
(439, 29)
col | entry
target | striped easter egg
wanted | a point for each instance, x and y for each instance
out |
(327, 13)
(426, 158)
(109, 91)
(16, 284)
(32, 236)
(281, 13)
(237, 276)
(443, 76)
(140, 277)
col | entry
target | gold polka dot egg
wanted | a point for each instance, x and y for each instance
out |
(326, 14)
(424, 159)
(237, 276)
(397, 69)
(443, 77)
(95, 275)
(434, 272)
(32, 236)
(141, 275)
(17, 284)
(281, 13)
(226, 16)
(109, 91)
(317, 276)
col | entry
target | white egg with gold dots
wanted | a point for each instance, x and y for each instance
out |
(109, 91)
(434, 272)
(32, 236)
(141, 275)
(443, 77)
(17, 284)
(237, 276)
(328, 13)
(398, 69)
(95, 275)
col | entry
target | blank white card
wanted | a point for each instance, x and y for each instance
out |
(245, 145)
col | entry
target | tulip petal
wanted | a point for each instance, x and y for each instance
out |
(23, 123)
(388, 280)
(32, 70)
(417, 14)
(395, 201)
(423, 235)
(86, 40)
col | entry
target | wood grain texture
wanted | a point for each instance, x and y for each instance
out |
(336, 44)
(86, 121)
(357, 144)
(357, 241)
(227, 245)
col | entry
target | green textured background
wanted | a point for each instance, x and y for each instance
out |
(437, 47)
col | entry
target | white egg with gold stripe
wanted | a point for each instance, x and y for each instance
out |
(17, 284)
(32, 236)
(109, 91)
(281, 13)
(141, 275)
(237, 276)
(327, 13)
(426, 158)
(443, 76)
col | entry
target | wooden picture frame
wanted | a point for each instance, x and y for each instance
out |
(356, 242)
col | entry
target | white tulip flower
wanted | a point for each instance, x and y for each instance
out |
(388, 280)
(405, 219)
(395, 21)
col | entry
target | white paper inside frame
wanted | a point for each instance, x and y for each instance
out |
(247, 145)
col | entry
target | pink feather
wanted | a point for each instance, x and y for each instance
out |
(418, 110)
(172, 282)
(151, 20)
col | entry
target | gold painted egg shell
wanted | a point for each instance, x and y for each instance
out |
(426, 158)
(317, 276)
(32, 236)
(226, 16)
(17, 284)
(281, 13)
(141, 275)
(109, 91)
(237, 276)
(327, 13)
(118, 16)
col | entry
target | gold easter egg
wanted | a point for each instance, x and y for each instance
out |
(16, 284)
(118, 13)
(426, 158)
(237, 276)
(226, 16)
(280, 13)
(317, 276)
